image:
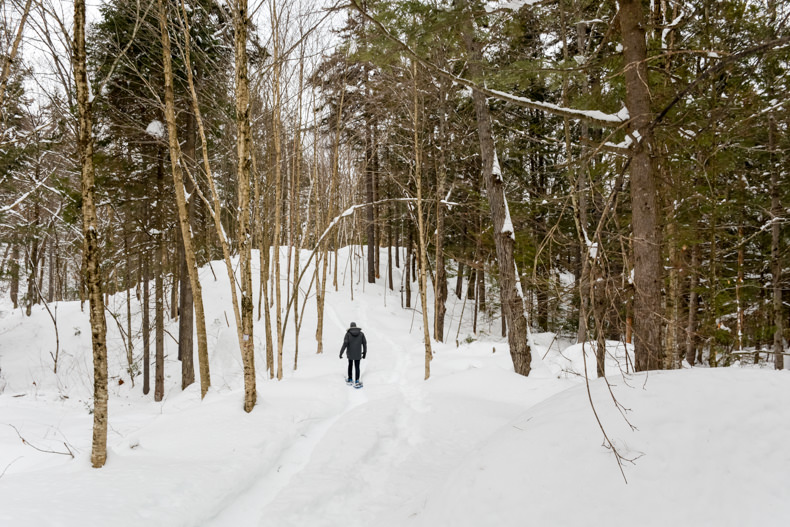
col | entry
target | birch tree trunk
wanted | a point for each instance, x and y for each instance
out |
(183, 216)
(91, 240)
(278, 187)
(330, 212)
(243, 150)
(9, 59)
(421, 225)
(215, 208)
(504, 237)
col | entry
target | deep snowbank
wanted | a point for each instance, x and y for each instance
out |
(709, 447)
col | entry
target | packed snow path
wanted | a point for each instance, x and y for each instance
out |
(355, 468)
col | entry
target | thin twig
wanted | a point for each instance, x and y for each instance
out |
(26, 442)
(6, 467)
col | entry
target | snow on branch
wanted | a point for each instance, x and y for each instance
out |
(513, 5)
(591, 116)
(24, 196)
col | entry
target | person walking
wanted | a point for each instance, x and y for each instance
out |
(357, 347)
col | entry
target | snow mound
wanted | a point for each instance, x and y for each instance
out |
(709, 448)
(570, 362)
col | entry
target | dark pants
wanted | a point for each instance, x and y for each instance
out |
(355, 363)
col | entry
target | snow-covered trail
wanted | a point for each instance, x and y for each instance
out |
(324, 477)
(395, 440)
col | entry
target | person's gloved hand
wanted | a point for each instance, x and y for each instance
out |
(341, 355)
(364, 354)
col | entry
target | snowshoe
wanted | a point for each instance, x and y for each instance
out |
(358, 385)
(349, 382)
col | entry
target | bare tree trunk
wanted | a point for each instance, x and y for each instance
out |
(389, 250)
(408, 268)
(776, 261)
(397, 240)
(459, 281)
(672, 345)
(159, 286)
(243, 149)
(267, 314)
(440, 285)
(504, 237)
(172, 261)
(645, 223)
(146, 328)
(421, 224)
(330, 212)
(91, 241)
(278, 187)
(185, 300)
(128, 287)
(371, 231)
(691, 329)
(33, 261)
(183, 216)
(599, 301)
(53, 269)
(215, 208)
(13, 271)
(11, 57)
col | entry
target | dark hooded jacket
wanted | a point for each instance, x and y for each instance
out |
(355, 343)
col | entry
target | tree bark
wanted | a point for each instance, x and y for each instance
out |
(672, 345)
(369, 212)
(440, 284)
(504, 237)
(243, 150)
(186, 323)
(459, 281)
(13, 271)
(9, 59)
(407, 265)
(421, 224)
(644, 203)
(33, 260)
(776, 261)
(183, 216)
(91, 240)
(128, 287)
(146, 327)
(159, 285)
(278, 187)
(691, 328)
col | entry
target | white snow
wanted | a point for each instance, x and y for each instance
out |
(496, 170)
(597, 115)
(474, 445)
(156, 129)
(513, 5)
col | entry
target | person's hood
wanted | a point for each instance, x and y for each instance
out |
(355, 331)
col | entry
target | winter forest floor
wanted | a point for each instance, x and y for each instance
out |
(474, 445)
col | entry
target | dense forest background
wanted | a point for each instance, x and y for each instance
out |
(607, 170)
